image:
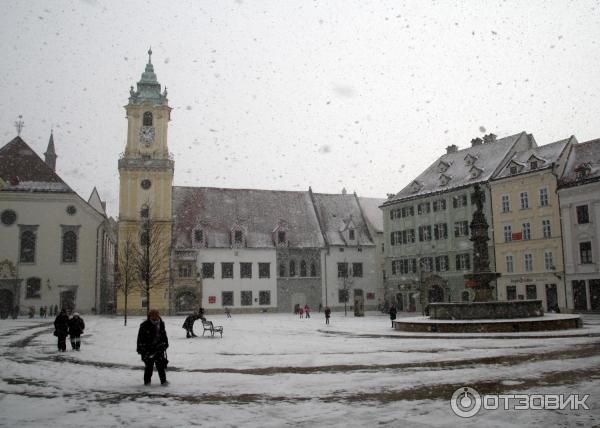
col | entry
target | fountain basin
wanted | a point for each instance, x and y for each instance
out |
(486, 310)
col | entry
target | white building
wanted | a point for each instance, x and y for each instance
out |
(57, 249)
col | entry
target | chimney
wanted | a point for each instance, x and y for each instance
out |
(489, 138)
(476, 142)
(50, 155)
(451, 149)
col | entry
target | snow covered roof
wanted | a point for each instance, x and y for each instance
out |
(337, 212)
(258, 213)
(543, 156)
(486, 156)
(22, 170)
(583, 164)
(372, 212)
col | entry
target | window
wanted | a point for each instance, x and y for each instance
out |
(227, 298)
(71, 210)
(423, 208)
(505, 203)
(531, 291)
(303, 268)
(146, 184)
(404, 266)
(238, 237)
(33, 288)
(407, 236)
(507, 233)
(585, 252)
(264, 270)
(185, 270)
(459, 201)
(463, 261)
(357, 270)
(546, 229)
(281, 237)
(144, 302)
(441, 263)
(226, 270)
(524, 200)
(145, 211)
(526, 231)
(246, 298)
(544, 197)
(533, 165)
(281, 270)
(245, 270)
(461, 228)
(424, 233)
(342, 296)
(292, 268)
(264, 297)
(313, 270)
(513, 170)
(198, 235)
(440, 231)
(549, 260)
(69, 247)
(147, 118)
(28, 241)
(510, 264)
(528, 262)
(427, 264)
(8, 217)
(511, 292)
(408, 211)
(351, 234)
(208, 270)
(395, 267)
(342, 270)
(439, 205)
(583, 215)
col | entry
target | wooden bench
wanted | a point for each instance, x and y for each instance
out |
(208, 326)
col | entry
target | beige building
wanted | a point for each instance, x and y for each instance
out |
(526, 225)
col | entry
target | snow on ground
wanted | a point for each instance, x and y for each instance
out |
(276, 369)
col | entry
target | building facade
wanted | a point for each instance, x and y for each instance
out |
(526, 225)
(579, 192)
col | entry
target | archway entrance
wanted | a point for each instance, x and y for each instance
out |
(434, 285)
(6, 303)
(186, 301)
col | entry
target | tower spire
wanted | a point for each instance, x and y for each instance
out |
(19, 124)
(150, 55)
(50, 155)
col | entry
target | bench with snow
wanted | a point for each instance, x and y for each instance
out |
(208, 326)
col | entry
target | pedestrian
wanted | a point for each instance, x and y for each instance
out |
(296, 309)
(227, 312)
(307, 310)
(188, 324)
(327, 314)
(31, 311)
(76, 327)
(45, 311)
(320, 307)
(41, 312)
(301, 312)
(152, 344)
(61, 329)
(201, 313)
(392, 314)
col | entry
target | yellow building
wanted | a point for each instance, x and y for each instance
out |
(526, 225)
(145, 219)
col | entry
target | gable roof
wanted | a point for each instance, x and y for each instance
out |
(582, 155)
(372, 212)
(23, 170)
(258, 212)
(488, 157)
(546, 155)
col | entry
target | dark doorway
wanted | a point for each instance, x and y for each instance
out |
(412, 303)
(595, 294)
(579, 295)
(6, 303)
(67, 300)
(186, 302)
(551, 297)
(399, 302)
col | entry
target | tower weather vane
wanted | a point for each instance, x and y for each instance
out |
(19, 124)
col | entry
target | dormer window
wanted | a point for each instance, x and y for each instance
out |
(475, 172)
(443, 166)
(416, 186)
(444, 179)
(583, 170)
(470, 159)
(281, 237)
(148, 118)
(514, 169)
(351, 234)
(533, 165)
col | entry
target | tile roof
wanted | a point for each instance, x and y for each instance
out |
(257, 212)
(24, 171)
(583, 156)
(546, 156)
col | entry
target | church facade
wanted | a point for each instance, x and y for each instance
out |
(249, 250)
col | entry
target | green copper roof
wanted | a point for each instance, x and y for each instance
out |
(148, 87)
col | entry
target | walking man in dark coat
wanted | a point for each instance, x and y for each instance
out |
(76, 327)
(61, 329)
(392, 314)
(188, 324)
(327, 314)
(152, 343)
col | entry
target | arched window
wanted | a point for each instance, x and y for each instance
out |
(28, 239)
(313, 270)
(33, 288)
(292, 268)
(148, 118)
(69, 244)
(303, 268)
(281, 270)
(145, 211)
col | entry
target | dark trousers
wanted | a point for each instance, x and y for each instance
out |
(326, 320)
(189, 333)
(76, 342)
(62, 342)
(160, 368)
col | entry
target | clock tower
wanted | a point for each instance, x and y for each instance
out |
(146, 179)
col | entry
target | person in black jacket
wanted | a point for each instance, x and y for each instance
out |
(392, 314)
(76, 327)
(61, 329)
(188, 324)
(152, 343)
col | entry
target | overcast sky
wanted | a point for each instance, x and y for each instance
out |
(287, 94)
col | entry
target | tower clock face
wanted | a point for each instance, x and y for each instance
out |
(147, 135)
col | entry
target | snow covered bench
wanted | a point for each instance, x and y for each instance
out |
(208, 326)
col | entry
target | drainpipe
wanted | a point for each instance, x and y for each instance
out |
(98, 260)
